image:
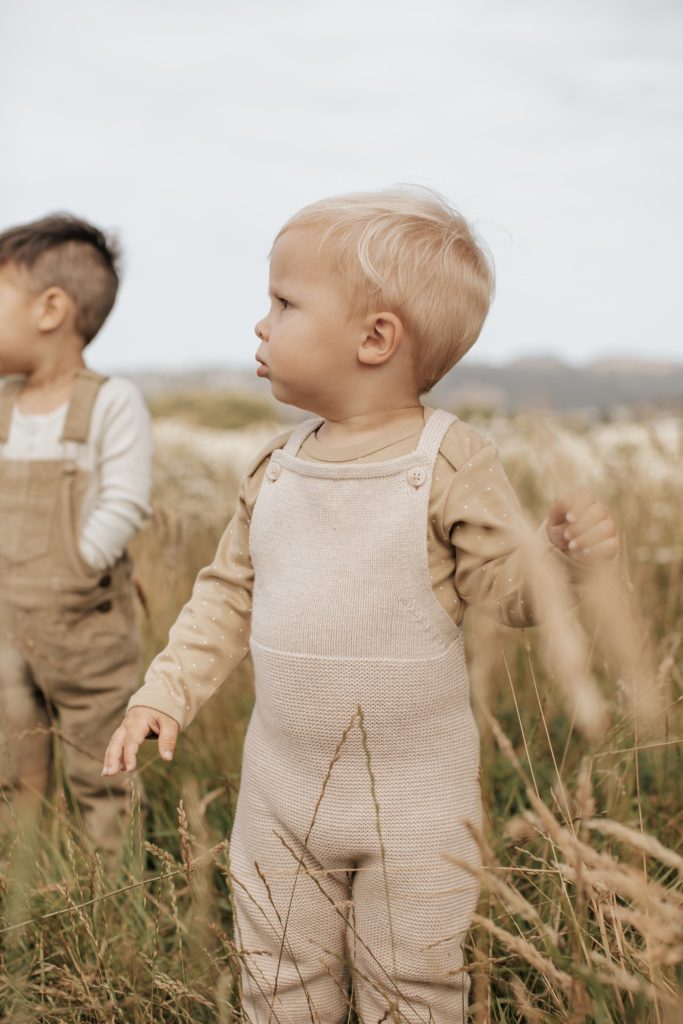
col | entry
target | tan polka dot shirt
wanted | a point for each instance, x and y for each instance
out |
(478, 545)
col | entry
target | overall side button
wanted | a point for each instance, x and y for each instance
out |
(273, 471)
(416, 476)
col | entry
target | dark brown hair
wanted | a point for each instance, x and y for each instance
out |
(62, 251)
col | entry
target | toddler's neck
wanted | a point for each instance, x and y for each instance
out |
(347, 433)
(48, 392)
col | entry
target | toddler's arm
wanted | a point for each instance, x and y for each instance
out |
(496, 550)
(208, 640)
(123, 439)
(210, 637)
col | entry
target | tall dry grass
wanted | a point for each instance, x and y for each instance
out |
(581, 913)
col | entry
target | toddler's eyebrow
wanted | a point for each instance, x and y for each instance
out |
(278, 288)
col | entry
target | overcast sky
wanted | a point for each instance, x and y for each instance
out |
(195, 130)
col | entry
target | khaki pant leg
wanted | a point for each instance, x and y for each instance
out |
(25, 736)
(90, 707)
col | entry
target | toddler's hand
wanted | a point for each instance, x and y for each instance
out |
(583, 527)
(135, 727)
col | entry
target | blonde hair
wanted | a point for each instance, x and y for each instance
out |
(406, 249)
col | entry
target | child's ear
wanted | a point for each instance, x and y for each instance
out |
(52, 307)
(383, 335)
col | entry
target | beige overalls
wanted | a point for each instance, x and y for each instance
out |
(339, 872)
(68, 637)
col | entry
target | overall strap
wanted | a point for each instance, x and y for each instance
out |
(299, 435)
(433, 434)
(8, 397)
(78, 416)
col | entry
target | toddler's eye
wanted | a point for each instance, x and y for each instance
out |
(285, 302)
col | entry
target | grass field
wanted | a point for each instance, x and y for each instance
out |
(581, 913)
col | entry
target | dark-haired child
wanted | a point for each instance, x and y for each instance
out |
(75, 467)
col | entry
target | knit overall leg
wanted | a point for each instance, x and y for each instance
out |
(290, 913)
(25, 740)
(408, 933)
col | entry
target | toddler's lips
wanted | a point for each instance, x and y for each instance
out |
(261, 370)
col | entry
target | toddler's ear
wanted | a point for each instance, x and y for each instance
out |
(52, 308)
(384, 333)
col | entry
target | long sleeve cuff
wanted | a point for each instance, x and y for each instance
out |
(157, 696)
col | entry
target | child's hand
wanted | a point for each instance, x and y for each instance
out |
(583, 527)
(135, 727)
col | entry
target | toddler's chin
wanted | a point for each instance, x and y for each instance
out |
(282, 391)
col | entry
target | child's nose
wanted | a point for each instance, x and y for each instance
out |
(261, 329)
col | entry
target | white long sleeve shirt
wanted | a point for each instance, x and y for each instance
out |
(118, 455)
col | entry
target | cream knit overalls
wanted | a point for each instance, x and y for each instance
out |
(68, 637)
(344, 815)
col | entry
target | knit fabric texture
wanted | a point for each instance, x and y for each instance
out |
(361, 758)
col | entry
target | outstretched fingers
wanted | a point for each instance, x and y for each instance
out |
(121, 754)
(140, 723)
(113, 756)
(570, 507)
(168, 734)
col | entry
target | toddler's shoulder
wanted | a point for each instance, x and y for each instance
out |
(120, 390)
(462, 442)
(279, 441)
(119, 402)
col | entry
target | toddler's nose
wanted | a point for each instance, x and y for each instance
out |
(260, 330)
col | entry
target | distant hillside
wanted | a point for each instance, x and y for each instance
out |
(522, 384)
(553, 384)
